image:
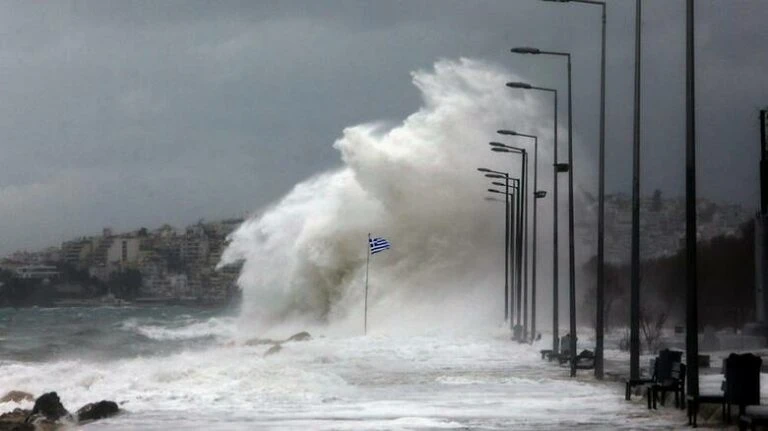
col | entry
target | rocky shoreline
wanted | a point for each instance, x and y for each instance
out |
(49, 414)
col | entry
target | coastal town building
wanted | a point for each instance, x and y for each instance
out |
(170, 265)
(38, 272)
(662, 225)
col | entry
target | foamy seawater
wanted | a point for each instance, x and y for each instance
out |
(198, 375)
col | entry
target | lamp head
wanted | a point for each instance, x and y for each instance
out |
(525, 50)
(522, 85)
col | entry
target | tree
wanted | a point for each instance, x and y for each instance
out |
(652, 326)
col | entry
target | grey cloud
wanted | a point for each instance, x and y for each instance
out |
(137, 113)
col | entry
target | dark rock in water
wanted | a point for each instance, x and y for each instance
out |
(40, 423)
(17, 397)
(274, 349)
(15, 421)
(100, 410)
(301, 336)
(49, 406)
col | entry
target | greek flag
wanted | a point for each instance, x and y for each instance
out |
(378, 244)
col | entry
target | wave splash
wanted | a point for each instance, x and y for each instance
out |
(416, 185)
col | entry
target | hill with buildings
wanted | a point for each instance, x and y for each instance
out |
(164, 265)
(662, 225)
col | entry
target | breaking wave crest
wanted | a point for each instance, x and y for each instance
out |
(415, 184)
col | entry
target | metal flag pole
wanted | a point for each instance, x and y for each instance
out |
(367, 263)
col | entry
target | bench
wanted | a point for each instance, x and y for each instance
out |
(631, 383)
(673, 382)
(704, 398)
(753, 416)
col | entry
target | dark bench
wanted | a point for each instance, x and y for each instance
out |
(704, 398)
(643, 381)
(741, 388)
(631, 383)
(585, 360)
(753, 416)
(673, 381)
(661, 368)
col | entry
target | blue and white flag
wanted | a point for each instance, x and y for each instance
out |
(378, 244)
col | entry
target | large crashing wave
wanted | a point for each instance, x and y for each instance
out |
(415, 184)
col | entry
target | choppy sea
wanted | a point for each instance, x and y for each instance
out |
(184, 368)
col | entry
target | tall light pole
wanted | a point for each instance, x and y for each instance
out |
(506, 241)
(600, 291)
(515, 254)
(571, 238)
(536, 194)
(522, 232)
(514, 200)
(692, 313)
(555, 259)
(634, 308)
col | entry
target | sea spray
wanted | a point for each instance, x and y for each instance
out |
(417, 185)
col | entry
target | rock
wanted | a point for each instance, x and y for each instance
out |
(48, 406)
(100, 410)
(274, 349)
(15, 420)
(40, 423)
(17, 397)
(301, 336)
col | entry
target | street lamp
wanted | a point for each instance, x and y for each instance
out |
(600, 294)
(535, 219)
(522, 232)
(634, 295)
(692, 313)
(514, 247)
(512, 223)
(506, 237)
(571, 238)
(558, 168)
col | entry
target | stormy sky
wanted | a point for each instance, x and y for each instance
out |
(129, 114)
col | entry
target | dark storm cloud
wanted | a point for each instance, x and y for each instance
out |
(138, 113)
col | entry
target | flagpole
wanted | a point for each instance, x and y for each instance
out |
(367, 263)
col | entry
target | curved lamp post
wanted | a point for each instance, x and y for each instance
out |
(600, 292)
(506, 238)
(558, 168)
(511, 269)
(571, 238)
(522, 232)
(535, 219)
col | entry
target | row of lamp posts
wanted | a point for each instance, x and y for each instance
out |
(521, 222)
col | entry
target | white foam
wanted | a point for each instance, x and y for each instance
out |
(376, 382)
(415, 184)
